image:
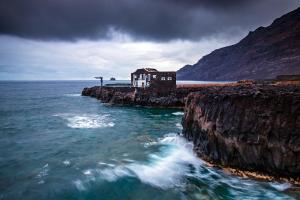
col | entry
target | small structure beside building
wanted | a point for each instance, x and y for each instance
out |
(151, 78)
(101, 80)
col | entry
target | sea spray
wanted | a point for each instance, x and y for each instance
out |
(87, 120)
(163, 169)
(166, 168)
(174, 165)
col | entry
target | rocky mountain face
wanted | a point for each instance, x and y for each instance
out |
(262, 54)
(247, 127)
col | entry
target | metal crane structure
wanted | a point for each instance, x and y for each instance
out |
(101, 80)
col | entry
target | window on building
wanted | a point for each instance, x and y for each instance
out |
(154, 76)
(163, 78)
(169, 78)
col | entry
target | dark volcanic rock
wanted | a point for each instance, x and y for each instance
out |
(139, 96)
(114, 95)
(263, 54)
(251, 127)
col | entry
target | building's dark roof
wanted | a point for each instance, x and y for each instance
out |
(167, 72)
(150, 69)
(153, 70)
(145, 69)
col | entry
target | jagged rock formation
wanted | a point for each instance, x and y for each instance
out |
(262, 54)
(248, 127)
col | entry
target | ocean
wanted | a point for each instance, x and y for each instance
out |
(56, 144)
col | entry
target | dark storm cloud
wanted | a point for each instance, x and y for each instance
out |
(142, 19)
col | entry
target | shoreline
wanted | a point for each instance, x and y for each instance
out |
(255, 175)
(204, 107)
(148, 97)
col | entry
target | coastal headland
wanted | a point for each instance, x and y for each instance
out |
(140, 96)
(152, 97)
(247, 126)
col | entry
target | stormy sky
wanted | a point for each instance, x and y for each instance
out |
(79, 39)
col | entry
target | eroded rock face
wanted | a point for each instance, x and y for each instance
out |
(247, 127)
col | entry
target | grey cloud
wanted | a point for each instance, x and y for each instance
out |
(159, 20)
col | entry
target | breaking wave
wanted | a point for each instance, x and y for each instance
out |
(167, 168)
(164, 169)
(178, 113)
(87, 120)
(174, 165)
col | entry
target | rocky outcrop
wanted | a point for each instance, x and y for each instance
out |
(139, 96)
(262, 54)
(248, 127)
(113, 95)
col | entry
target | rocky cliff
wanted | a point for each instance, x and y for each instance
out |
(139, 96)
(262, 54)
(249, 127)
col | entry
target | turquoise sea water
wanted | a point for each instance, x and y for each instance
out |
(56, 144)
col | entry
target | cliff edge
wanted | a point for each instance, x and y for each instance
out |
(248, 127)
(139, 96)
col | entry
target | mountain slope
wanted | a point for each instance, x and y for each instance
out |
(262, 54)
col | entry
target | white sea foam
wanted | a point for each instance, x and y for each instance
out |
(72, 95)
(167, 168)
(128, 160)
(66, 162)
(43, 172)
(112, 174)
(79, 185)
(178, 113)
(172, 164)
(87, 120)
(147, 144)
(280, 186)
(179, 126)
(163, 169)
(107, 164)
(87, 172)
